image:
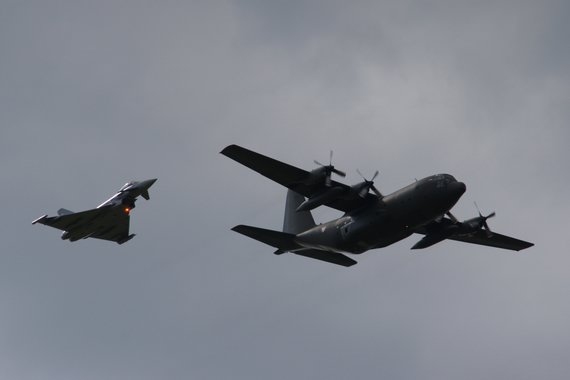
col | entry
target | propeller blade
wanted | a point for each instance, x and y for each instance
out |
(374, 176)
(483, 220)
(375, 190)
(338, 173)
(329, 169)
(487, 229)
(477, 207)
(452, 217)
(486, 226)
(368, 185)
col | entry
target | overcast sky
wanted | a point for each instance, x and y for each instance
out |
(96, 93)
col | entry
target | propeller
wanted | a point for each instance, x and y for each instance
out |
(452, 217)
(329, 169)
(368, 185)
(483, 220)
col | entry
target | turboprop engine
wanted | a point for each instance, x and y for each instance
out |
(321, 199)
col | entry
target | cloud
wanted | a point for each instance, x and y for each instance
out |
(94, 95)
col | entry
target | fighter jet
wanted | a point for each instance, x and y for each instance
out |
(371, 220)
(109, 221)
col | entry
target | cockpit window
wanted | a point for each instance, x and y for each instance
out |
(443, 180)
(126, 185)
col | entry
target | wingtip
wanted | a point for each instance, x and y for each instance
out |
(528, 245)
(241, 229)
(126, 239)
(39, 219)
(228, 148)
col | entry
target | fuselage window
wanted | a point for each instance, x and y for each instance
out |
(440, 183)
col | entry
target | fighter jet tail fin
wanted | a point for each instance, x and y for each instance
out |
(63, 211)
(295, 221)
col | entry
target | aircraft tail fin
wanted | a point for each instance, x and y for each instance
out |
(295, 221)
(63, 211)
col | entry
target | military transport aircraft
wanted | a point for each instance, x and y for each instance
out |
(370, 220)
(109, 221)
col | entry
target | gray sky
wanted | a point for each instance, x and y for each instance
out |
(93, 94)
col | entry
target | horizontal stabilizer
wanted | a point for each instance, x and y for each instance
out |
(329, 257)
(281, 240)
(285, 242)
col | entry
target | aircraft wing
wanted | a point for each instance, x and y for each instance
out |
(296, 179)
(71, 221)
(435, 233)
(115, 226)
(107, 223)
(493, 240)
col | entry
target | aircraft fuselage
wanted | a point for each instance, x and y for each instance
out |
(128, 194)
(390, 220)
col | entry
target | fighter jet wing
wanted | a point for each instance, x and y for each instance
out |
(115, 226)
(67, 222)
(107, 223)
(493, 240)
(296, 179)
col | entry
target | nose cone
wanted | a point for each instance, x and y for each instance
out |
(149, 182)
(144, 186)
(457, 188)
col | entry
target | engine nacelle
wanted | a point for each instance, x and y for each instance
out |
(321, 199)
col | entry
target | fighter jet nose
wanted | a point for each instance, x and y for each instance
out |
(150, 182)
